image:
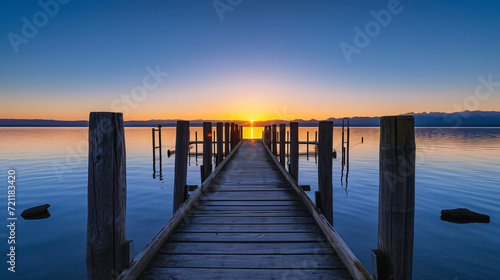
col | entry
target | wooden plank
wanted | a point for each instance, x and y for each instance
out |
(248, 261)
(247, 237)
(256, 213)
(249, 207)
(247, 228)
(204, 202)
(302, 248)
(260, 195)
(250, 220)
(299, 272)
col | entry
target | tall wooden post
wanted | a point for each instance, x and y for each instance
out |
(241, 133)
(180, 172)
(154, 148)
(282, 143)
(273, 139)
(396, 197)
(207, 150)
(294, 151)
(196, 145)
(226, 139)
(325, 169)
(107, 196)
(232, 137)
(236, 134)
(220, 148)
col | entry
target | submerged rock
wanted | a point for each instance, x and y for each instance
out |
(37, 212)
(463, 216)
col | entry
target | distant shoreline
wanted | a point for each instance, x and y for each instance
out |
(433, 119)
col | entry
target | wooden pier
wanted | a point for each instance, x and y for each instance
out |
(250, 219)
(250, 223)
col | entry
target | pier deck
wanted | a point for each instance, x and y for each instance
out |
(249, 224)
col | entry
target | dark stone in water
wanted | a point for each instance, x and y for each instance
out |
(37, 212)
(463, 216)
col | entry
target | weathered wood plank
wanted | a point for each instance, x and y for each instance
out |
(247, 237)
(252, 213)
(262, 195)
(246, 228)
(303, 248)
(248, 207)
(206, 202)
(250, 220)
(248, 261)
(250, 274)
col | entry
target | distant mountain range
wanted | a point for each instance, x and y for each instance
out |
(457, 119)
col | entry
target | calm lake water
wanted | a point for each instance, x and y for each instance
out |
(456, 167)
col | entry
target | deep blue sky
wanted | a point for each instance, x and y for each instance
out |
(266, 59)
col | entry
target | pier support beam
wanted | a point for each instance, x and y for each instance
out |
(107, 196)
(207, 150)
(220, 148)
(282, 144)
(226, 139)
(180, 173)
(294, 151)
(232, 137)
(273, 139)
(325, 169)
(396, 198)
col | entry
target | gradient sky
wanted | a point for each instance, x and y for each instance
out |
(264, 60)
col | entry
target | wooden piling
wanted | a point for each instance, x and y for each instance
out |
(180, 168)
(294, 151)
(236, 135)
(232, 137)
(274, 141)
(226, 139)
(196, 145)
(207, 149)
(396, 197)
(219, 143)
(282, 143)
(154, 150)
(325, 169)
(107, 196)
(241, 133)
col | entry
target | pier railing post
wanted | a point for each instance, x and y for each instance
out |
(241, 133)
(226, 139)
(273, 137)
(294, 151)
(325, 169)
(396, 198)
(107, 196)
(207, 150)
(232, 137)
(220, 136)
(282, 144)
(236, 134)
(180, 173)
